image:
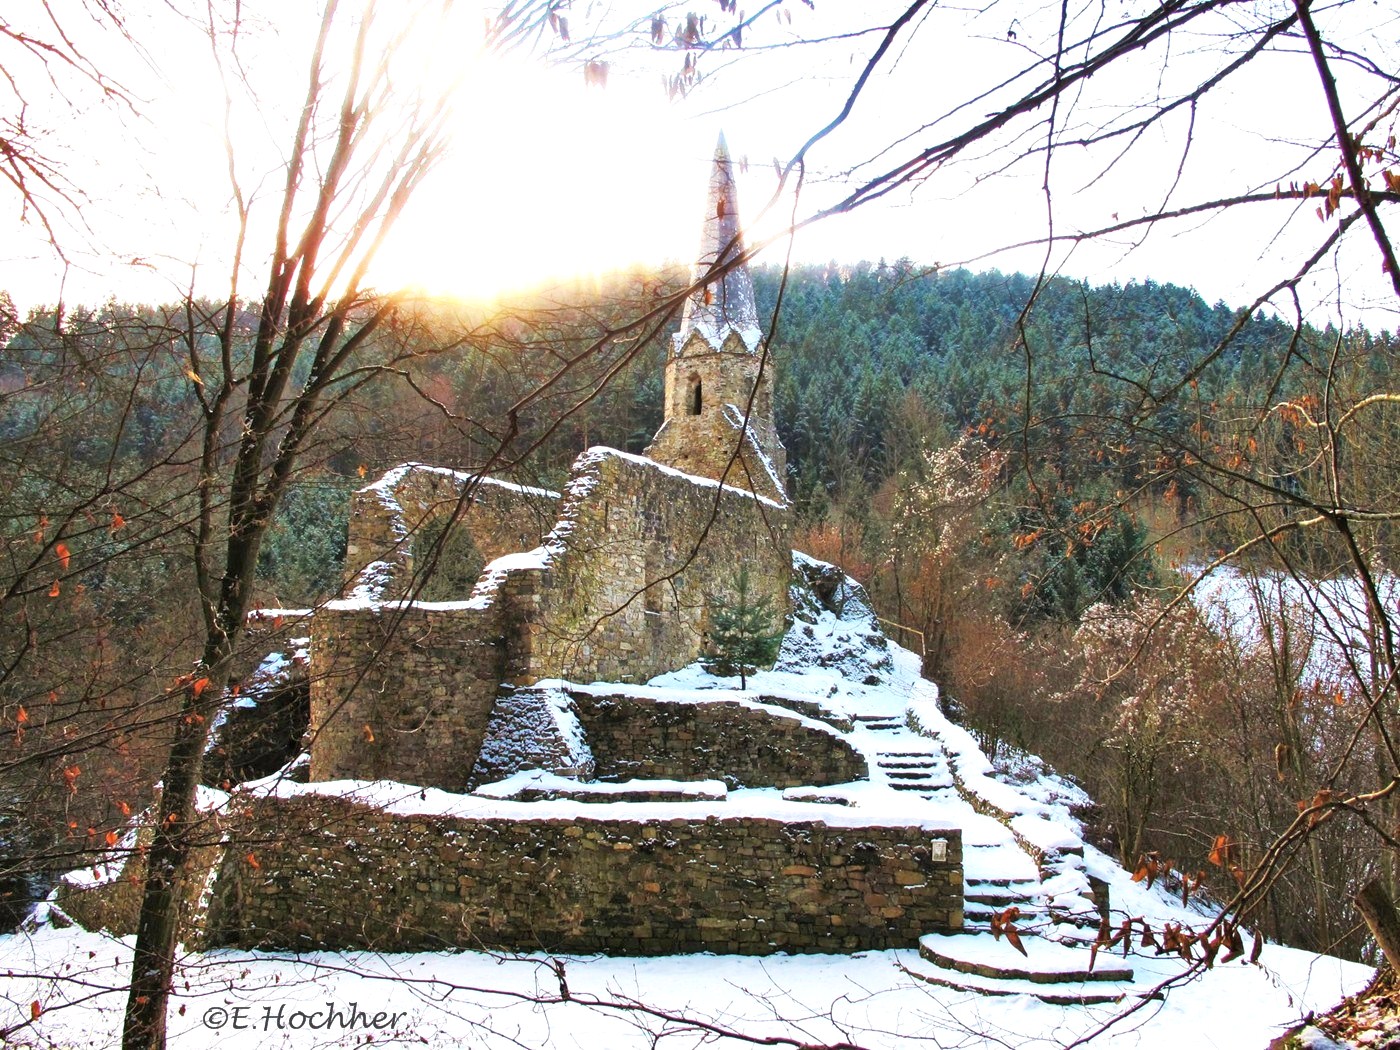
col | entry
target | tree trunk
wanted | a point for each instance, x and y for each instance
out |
(1375, 907)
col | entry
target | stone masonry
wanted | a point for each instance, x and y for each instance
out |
(741, 743)
(335, 874)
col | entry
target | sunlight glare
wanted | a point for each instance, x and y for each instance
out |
(547, 179)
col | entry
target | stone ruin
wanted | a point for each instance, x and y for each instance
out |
(528, 691)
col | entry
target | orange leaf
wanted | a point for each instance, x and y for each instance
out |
(1015, 940)
(117, 522)
(1236, 945)
(198, 686)
(70, 777)
(252, 859)
(1222, 851)
(61, 549)
(360, 470)
(35, 1010)
(21, 716)
(368, 734)
(53, 591)
(111, 838)
(126, 810)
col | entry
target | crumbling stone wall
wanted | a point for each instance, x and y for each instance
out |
(403, 691)
(113, 903)
(620, 591)
(335, 874)
(638, 555)
(386, 517)
(644, 737)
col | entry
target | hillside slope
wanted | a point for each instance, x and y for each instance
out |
(1023, 850)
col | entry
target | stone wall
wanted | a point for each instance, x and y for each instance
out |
(403, 691)
(388, 517)
(113, 902)
(620, 591)
(335, 874)
(638, 555)
(743, 745)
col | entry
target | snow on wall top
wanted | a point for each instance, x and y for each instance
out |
(598, 453)
(735, 415)
(410, 801)
(393, 477)
(384, 489)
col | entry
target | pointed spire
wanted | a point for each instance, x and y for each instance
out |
(726, 303)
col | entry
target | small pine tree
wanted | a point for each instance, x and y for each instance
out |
(741, 634)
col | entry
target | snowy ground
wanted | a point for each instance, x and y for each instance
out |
(69, 982)
(479, 1000)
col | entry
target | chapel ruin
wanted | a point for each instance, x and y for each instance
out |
(492, 771)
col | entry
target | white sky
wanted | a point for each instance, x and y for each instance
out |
(548, 178)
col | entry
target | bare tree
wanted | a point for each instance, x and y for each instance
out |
(49, 46)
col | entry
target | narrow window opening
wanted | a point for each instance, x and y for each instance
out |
(695, 397)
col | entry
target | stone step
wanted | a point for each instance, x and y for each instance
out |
(880, 722)
(1045, 961)
(927, 786)
(986, 885)
(905, 763)
(1005, 898)
(997, 864)
(910, 754)
(908, 774)
(1055, 995)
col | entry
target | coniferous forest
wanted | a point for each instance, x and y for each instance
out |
(1017, 470)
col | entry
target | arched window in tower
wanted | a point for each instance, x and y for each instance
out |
(696, 399)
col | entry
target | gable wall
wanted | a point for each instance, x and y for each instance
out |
(385, 516)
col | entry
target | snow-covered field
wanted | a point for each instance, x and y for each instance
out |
(64, 986)
(479, 1000)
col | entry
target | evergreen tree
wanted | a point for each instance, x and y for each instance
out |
(741, 633)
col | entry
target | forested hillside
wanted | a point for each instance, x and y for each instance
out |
(1013, 467)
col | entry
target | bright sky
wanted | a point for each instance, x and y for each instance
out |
(548, 178)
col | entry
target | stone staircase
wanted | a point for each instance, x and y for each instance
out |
(880, 723)
(1053, 973)
(923, 772)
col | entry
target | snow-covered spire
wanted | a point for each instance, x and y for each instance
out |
(725, 304)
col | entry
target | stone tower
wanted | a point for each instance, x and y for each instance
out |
(713, 370)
